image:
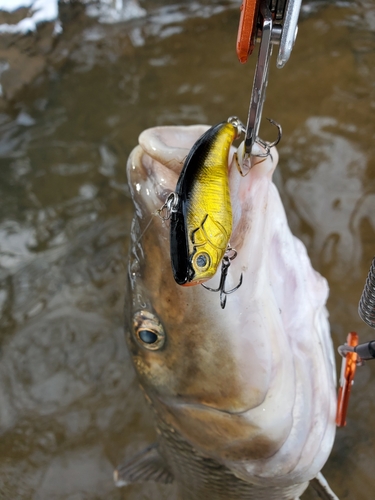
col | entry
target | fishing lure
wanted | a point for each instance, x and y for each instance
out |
(200, 208)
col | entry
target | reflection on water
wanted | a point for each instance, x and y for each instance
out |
(325, 189)
(70, 408)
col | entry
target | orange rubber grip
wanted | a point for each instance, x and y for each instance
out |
(349, 366)
(246, 29)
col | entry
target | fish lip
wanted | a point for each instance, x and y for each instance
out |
(243, 189)
(173, 402)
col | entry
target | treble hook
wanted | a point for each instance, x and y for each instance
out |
(243, 159)
(268, 145)
(225, 263)
(279, 136)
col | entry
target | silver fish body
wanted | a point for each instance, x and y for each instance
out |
(244, 398)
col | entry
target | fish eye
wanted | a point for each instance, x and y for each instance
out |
(148, 330)
(147, 336)
(202, 261)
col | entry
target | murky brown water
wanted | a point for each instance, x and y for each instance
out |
(70, 409)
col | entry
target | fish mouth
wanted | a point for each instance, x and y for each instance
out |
(166, 149)
(173, 402)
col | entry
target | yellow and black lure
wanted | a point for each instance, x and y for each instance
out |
(201, 217)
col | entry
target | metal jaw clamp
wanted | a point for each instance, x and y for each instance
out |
(273, 22)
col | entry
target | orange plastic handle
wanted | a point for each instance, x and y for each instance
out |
(246, 29)
(348, 368)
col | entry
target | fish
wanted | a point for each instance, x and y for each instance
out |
(243, 398)
(201, 219)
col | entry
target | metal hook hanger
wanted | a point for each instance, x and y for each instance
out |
(270, 22)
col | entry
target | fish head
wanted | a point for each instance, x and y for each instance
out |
(251, 385)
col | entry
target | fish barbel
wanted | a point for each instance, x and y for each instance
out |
(244, 398)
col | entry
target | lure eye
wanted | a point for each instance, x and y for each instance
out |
(148, 330)
(202, 261)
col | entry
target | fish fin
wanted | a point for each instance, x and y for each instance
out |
(320, 485)
(148, 465)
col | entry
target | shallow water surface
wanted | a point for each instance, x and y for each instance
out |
(70, 408)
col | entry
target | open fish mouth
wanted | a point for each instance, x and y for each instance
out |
(167, 148)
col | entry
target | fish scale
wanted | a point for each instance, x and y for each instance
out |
(201, 478)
